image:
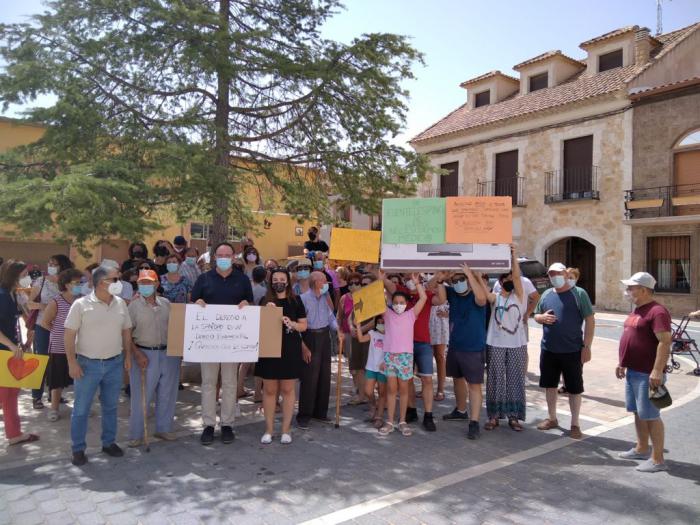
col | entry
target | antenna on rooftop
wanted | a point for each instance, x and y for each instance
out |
(659, 16)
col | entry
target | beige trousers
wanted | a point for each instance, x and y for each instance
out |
(229, 382)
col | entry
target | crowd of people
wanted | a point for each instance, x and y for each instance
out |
(106, 327)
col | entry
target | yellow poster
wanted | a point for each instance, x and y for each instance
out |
(22, 373)
(355, 245)
(369, 301)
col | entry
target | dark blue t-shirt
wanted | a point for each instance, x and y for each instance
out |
(8, 317)
(565, 335)
(467, 323)
(215, 289)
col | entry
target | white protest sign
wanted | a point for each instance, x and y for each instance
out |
(222, 334)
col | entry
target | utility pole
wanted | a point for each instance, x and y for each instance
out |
(659, 16)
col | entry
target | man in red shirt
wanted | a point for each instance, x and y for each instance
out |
(644, 349)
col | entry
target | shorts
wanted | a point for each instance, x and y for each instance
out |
(423, 358)
(637, 395)
(569, 365)
(376, 376)
(358, 355)
(467, 365)
(399, 365)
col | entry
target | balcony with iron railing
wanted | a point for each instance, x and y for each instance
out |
(662, 201)
(513, 187)
(571, 184)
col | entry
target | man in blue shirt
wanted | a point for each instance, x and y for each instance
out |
(221, 285)
(315, 381)
(562, 310)
(465, 358)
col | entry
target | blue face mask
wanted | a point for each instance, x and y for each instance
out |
(191, 261)
(303, 274)
(461, 287)
(147, 289)
(77, 289)
(318, 265)
(223, 263)
(86, 289)
(324, 289)
(172, 267)
(557, 281)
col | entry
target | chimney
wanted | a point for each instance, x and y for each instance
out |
(642, 46)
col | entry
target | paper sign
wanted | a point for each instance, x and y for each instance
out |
(369, 301)
(479, 220)
(22, 373)
(407, 221)
(224, 333)
(355, 245)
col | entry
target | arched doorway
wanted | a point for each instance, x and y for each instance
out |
(686, 175)
(578, 253)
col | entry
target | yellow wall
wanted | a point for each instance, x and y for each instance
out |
(14, 133)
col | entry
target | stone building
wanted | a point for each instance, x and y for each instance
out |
(558, 140)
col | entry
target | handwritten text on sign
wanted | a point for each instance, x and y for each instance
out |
(413, 221)
(222, 334)
(479, 220)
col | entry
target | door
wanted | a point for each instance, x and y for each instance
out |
(578, 167)
(686, 178)
(507, 175)
(575, 252)
(449, 184)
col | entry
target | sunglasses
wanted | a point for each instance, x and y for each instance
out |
(300, 268)
(354, 283)
(111, 279)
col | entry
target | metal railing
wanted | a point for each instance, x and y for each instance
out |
(645, 203)
(513, 187)
(580, 183)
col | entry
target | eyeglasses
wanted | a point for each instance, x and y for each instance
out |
(300, 268)
(456, 280)
(354, 283)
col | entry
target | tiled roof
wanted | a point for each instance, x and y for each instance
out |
(578, 88)
(545, 56)
(663, 88)
(485, 76)
(606, 36)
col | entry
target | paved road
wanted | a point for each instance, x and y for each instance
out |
(350, 474)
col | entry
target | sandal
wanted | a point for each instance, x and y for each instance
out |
(515, 424)
(26, 438)
(440, 396)
(377, 423)
(386, 429)
(37, 404)
(491, 424)
(405, 429)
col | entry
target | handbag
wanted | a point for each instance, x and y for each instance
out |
(31, 319)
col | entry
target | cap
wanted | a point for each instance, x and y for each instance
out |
(557, 267)
(179, 240)
(660, 397)
(148, 275)
(640, 279)
(110, 263)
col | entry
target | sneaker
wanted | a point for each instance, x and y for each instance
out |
(113, 450)
(286, 439)
(207, 437)
(633, 454)
(53, 416)
(79, 458)
(166, 436)
(428, 423)
(266, 439)
(473, 431)
(456, 415)
(411, 415)
(650, 466)
(227, 435)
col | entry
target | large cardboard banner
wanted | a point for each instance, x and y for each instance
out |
(407, 221)
(494, 258)
(224, 333)
(355, 245)
(369, 301)
(480, 220)
(22, 373)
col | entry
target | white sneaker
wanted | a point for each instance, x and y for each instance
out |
(266, 439)
(650, 466)
(633, 454)
(53, 416)
(286, 439)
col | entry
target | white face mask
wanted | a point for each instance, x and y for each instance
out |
(25, 282)
(557, 281)
(411, 285)
(115, 288)
(380, 327)
(251, 257)
(628, 296)
(571, 282)
(399, 308)
(52, 270)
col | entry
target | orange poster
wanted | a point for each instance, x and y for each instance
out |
(479, 220)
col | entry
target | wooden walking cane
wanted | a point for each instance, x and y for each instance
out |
(339, 379)
(143, 407)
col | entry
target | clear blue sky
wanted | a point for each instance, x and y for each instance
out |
(465, 38)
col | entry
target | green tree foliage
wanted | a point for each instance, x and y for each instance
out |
(183, 104)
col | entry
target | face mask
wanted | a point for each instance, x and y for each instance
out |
(223, 263)
(628, 296)
(138, 255)
(380, 327)
(76, 289)
(354, 287)
(461, 287)
(303, 274)
(115, 288)
(147, 289)
(571, 282)
(172, 267)
(251, 257)
(318, 265)
(279, 287)
(25, 282)
(191, 261)
(399, 308)
(411, 285)
(508, 286)
(324, 289)
(86, 288)
(312, 236)
(557, 281)
(52, 270)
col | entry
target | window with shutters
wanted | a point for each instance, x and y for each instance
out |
(539, 81)
(610, 60)
(482, 99)
(449, 183)
(668, 260)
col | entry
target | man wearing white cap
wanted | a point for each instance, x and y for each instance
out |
(644, 349)
(562, 311)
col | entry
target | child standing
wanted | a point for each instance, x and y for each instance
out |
(374, 375)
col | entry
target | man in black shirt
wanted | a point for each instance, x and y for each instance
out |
(221, 285)
(314, 244)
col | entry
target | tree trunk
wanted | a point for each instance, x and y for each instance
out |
(220, 215)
